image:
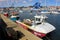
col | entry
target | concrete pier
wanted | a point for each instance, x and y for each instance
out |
(14, 29)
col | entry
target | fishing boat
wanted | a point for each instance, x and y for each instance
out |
(13, 18)
(45, 11)
(38, 26)
(6, 14)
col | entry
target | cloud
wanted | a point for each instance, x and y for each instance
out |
(24, 2)
(16, 1)
(40, 1)
(3, 0)
(30, 0)
(57, 0)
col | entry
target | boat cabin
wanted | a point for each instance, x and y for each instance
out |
(39, 19)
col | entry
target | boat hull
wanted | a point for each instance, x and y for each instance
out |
(38, 34)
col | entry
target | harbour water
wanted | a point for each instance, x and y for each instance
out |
(53, 19)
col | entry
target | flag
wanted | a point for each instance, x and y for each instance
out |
(37, 5)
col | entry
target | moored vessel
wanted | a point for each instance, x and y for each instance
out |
(38, 26)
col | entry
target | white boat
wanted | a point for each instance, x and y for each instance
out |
(13, 18)
(45, 11)
(20, 11)
(34, 9)
(55, 12)
(38, 26)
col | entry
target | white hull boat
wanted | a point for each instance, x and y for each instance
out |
(38, 27)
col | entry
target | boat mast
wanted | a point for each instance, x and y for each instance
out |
(12, 5)
(56, 5)
(45, 4)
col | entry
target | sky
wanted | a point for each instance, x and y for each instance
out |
(18, 3)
